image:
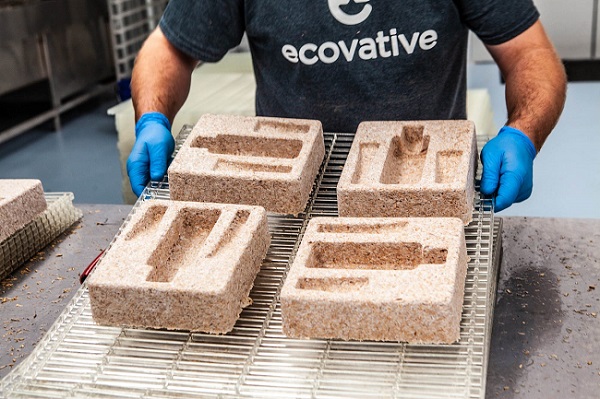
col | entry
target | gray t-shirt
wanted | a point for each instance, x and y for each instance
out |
(346, 61)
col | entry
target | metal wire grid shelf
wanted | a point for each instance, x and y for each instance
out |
(131, 21)
(78, 358)
(21, 246)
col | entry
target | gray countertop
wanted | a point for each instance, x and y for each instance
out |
(546, 334)
(34, 295)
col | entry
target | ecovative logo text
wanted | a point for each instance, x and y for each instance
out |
(367, 48)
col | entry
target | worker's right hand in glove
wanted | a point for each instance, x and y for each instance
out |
(153, 147)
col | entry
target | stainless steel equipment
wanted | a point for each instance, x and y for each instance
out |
(63, 42)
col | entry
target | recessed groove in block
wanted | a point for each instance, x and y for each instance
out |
(435, 256)
(412, 139)
(375, 228)
(149, 224)
(446, 166)
(366, 156)
(187, 233)
(249, 146)
(240, 219)
(333, 284)
(369, 255)
(233, 166)
(280, 127)
(405, 160)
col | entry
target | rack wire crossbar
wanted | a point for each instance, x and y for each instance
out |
(78, 358)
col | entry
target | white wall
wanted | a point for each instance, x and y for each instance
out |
(569, 23)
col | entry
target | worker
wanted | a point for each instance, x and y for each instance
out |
(347, 61)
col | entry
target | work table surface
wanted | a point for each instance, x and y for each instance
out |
(546, 333)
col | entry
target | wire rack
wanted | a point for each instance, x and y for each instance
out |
(41, 231)
(78, 358)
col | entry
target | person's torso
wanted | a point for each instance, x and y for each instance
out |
(345, 61)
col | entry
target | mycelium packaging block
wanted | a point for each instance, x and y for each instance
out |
(181, 265)
(383, 279)
(21, 200)
(413, 168)
(271, 162)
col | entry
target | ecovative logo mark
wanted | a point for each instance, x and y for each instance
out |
(349, 19)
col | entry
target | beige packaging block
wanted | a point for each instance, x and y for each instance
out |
(412, 168)
(382, 279)
(271, 162)
(181, 266)
(21, 200)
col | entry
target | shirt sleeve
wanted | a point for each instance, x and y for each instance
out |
(497, 21)
(204, 29)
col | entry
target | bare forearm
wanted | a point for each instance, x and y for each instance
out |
(535, 95)
(161, 77)
(535, 85)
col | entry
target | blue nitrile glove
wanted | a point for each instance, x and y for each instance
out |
(508, 167)
(153, 146)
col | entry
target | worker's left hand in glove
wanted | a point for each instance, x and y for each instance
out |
(153, 146)
(508, 167)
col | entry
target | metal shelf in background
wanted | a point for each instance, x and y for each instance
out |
(131, 21)
(78, 358)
